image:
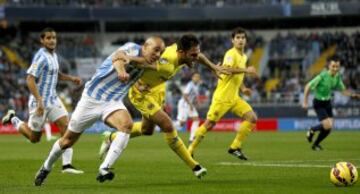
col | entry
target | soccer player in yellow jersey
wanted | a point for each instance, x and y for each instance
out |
(150, 103)
(226, 96)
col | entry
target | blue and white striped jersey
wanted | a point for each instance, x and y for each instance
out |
(45, 67)
(105, 84)
(192, 90)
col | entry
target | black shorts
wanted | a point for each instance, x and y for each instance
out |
(323, 109)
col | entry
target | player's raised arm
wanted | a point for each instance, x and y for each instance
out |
(119, 61)
(217, 69)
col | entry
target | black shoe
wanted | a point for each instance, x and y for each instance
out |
(8, 116)
(199, 171)
(104, 175)
(237, 153)
(309, 135)
(317, 148)
(41, 176)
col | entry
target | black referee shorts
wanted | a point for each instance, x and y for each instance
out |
(323, 109)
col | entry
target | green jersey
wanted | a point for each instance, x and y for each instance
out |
(323, 84)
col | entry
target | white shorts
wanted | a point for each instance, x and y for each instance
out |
(90, 110)
(52, 113)
(184, 111)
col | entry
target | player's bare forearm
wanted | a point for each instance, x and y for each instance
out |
(202, 59)
(236, 70)
(140, 62)
(119, 66)
(65, 77)
(30, 81)
(306, 93)
(350, 94)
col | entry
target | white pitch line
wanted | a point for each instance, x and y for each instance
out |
(274, 165)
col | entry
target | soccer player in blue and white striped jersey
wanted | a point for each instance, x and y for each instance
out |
(102, 100)
(44, 103)
(187, 105)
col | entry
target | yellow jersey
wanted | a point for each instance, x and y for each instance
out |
(167, 67)
(228, 87)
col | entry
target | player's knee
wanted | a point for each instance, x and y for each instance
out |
(62, 128)
(167, 127)
(209, 124)
(66, 143)
(328, 125)
(125, 126)
(251, 117)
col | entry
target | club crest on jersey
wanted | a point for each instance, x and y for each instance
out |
(229, 59)
(35, 65)
(163, 61)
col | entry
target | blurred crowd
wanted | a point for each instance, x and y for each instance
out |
(156, 3)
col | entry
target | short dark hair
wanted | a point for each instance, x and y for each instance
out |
(335, 57)
(187, 41)
(47, 29)
(195, 72)
(238, 30)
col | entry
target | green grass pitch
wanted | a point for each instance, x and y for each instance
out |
(279, 163)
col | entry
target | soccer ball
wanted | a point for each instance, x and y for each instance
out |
(343, 174)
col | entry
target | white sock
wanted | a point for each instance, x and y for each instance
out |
(54, 154)
(177, 125)
(16, 122)
(117, 146)
(47, 129)
(194, 126)
(67, 156)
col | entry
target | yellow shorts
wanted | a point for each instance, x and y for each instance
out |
(218, 109)
(147, 103)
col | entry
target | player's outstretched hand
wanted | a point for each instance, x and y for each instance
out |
(246, 91)
(39, 109)
(123, 76)
(223, 69)
(251, 70)
(77, 80)
(304, 105)
(357, 96)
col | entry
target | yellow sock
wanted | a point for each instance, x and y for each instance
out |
(177, 145)
(199, 136)
(245, 128)
(112, 136)
(136, 129)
